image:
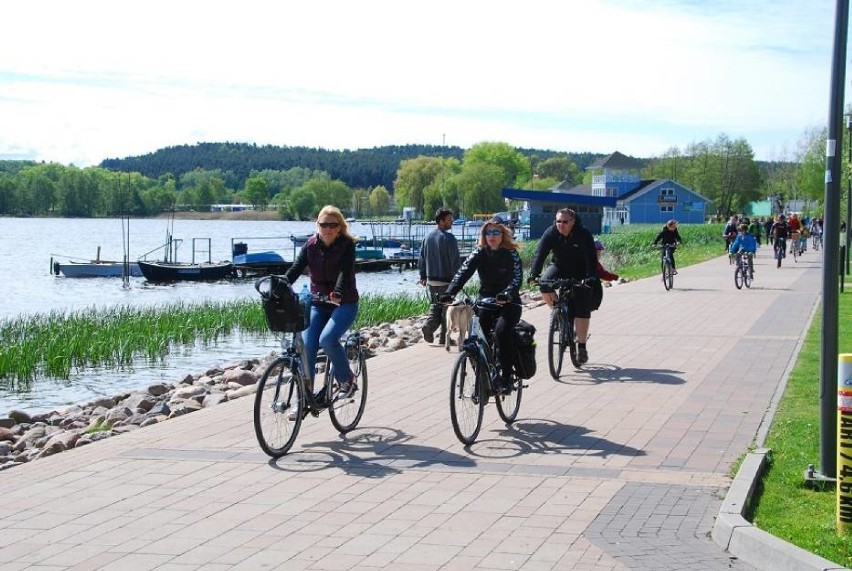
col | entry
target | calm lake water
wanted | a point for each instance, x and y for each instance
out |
(28, 287)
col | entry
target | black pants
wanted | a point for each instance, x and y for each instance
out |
(503, 324)
(438, 312)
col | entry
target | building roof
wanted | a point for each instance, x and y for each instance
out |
(559, 197)
(571, 188)
(616, 161)
(649, 185)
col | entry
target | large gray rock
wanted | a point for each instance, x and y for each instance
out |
(20, 417)
(158, 389)
(240, 376)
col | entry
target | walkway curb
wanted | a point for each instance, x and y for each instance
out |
(739, 537)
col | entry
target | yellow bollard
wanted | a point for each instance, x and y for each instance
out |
(844, 443)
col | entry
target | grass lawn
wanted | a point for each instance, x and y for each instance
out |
(783, 505)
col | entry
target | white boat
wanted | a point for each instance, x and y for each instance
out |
(95, 269)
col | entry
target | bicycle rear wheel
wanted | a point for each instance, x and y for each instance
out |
(738, 277)
(467, 398)
(555, 344)
(279, 395)
(346, 413)
(508, 405)
(668, 275)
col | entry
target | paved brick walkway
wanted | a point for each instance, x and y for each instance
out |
(622, 465)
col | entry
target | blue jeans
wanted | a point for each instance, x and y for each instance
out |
(328, 324)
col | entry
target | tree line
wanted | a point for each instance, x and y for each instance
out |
(382, 181)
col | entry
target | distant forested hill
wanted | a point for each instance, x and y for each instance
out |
(362, 168)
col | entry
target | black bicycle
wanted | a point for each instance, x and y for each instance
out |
(475, 379)
(284, 394)
(666, 265)
(561, 334)
(744, 272)
(780, 246)
(816, 239)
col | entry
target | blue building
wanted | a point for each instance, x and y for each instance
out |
(642, 201)
(617, 195)
(543, 206)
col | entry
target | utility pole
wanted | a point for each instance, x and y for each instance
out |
(830, 269)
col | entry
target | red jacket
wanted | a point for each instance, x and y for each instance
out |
(605, 275)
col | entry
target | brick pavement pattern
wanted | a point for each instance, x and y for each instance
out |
(621, 465)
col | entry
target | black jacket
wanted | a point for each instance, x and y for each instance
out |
(668, 237)
(500, 271)
(574, 254)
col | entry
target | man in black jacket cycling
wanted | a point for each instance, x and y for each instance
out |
(574, 257)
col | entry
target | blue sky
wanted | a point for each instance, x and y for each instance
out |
(94, 79)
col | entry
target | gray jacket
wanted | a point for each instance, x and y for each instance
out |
(439, 256)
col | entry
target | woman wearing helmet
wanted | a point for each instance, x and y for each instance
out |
(669, 236)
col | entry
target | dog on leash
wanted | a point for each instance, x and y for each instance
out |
(459, 316)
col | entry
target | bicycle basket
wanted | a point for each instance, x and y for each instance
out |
(283, 311)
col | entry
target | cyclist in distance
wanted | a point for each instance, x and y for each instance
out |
(669, 236)
(498, 265)
(574, 257)
(329, 256)
(778, 233)
(744, 242)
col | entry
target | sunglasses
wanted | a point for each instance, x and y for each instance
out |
(563, 221)
(328, 224)
(493, 232)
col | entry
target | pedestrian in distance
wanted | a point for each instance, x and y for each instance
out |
(438, 263)
(573, 257)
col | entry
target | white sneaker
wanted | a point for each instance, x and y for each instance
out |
(346, 389)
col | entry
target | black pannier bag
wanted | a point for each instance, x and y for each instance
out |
(524, 349)
(283, 311)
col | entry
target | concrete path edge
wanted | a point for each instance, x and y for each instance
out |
(739, 537)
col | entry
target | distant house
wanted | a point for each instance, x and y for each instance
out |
(642, 201)
(543, 206)
(617, 195)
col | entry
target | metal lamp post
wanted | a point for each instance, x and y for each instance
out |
(848, 118)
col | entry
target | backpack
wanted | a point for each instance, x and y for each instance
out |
(524, 349)
(283, 311)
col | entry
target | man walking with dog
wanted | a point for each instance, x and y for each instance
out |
(439, 261)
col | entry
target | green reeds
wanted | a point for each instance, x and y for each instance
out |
(55, 344)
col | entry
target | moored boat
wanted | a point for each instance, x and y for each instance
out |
(178, 271)
(95, 269)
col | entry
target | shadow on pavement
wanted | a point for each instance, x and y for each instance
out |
(603, 373)
(542, 436)
(372, 452)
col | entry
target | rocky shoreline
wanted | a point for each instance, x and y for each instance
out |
(26, 437)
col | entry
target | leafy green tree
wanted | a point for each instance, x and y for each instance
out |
(809, 181)
(8, 195)
(557, 168)
(513, 164)
(360, 202)
(480, 187)
(380, 200)
(302, 203)
(256, 192)
(412, 178)
(326, 191)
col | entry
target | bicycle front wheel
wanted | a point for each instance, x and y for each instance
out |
(467, 397)
(747, 277)
(668, 276)
(346, 413)
(508, 405)
(555, 345)
(278, 407)
(739, 277)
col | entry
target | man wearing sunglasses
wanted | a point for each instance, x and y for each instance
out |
(438, 263)
(573, 256)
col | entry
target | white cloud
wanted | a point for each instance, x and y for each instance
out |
(85, 81)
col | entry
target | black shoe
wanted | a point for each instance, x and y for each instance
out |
(506, 385)
(442, 339)
(321, 398)
(428, 334)
(582, 355)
